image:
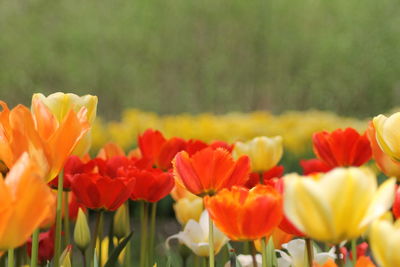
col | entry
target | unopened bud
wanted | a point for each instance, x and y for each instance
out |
(121, 222)
(81, 231)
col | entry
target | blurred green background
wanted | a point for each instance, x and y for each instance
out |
(192, 56)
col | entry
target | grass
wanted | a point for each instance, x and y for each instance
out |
(192, 56)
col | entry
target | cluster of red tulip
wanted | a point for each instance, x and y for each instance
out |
(241, 186)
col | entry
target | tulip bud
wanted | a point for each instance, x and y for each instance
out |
(121, 222)
(65, 260)
(81, 231)
(188, 208)
(264, 152)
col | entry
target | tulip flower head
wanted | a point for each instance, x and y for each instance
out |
(244, 214)
(188, 208)
(46, 246)
(195, 236)
(342, 148)
(264, 152)
(313, 204)
(209, 171)
(26, 201)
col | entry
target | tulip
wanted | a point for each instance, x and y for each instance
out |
(312, 166)
(151, 184)
(188, 209)
(313, 204)
(104, 250)
(385, 242)
(106, 189)
(342, 148)
(46, 246)
(81, 231)
(195, 236)
(26, 202)
(396, 204)
(244, 214)
(387, 134)
(275, 172)
(59, 105)
(209, 171)
(279, 238)
(296, 251)
(264, 152)
(40, 134)
(121, 226)
(385, 163)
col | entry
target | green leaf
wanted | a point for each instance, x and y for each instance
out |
(112, 260)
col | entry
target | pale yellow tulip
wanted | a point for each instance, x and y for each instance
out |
(264, 152)
(188, 208)
(388, 134)
(338, 205)
(385, 242)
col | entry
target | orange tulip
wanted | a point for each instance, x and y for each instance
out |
(279, 237)
(40, 134)
(363, 261)
(244, 214)
(209, 171)
(26, 202)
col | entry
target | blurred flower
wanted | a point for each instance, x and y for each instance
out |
(385, 242)
(254, 178)
(244, 214)
(342, 147)
(109, 151)
(81, 231)
(59, 105)
(46, 246)
(313, 206)
(74, 206)
(195, 236)
(180, 191)
(188, 209)
(384, 162)
(296, 254)
(151, 184)
(106, 189)
(104, 250)
(311, 166)
(387, 134)
(264, 152)
(39, 133)
(73, 165)
(279, 238)
(208, 171)
(26, 202)
(247, 261)
(396, 204)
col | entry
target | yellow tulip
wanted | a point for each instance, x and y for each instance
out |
(385, 242)
(388, 135)
(338, 205)
(188, 208)
(59, 104)
(264, 152)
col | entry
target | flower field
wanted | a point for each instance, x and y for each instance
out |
(299, 189)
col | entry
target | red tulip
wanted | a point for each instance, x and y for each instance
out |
(151, 185)
(209, 171)
(254, 179)
(106, 189)
(311, 166)
(46, 246)
(396, 204)
(342, 147)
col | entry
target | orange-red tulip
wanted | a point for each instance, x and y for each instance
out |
(244, 214)
(209, 171)
(40, 134)
(312, 166)
(25, 200)
(342, 147)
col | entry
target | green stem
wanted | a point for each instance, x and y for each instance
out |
(92, 250)
(354, 251)
(339, 261)
(100, 237)
(253, 254)
(66, 219)
(264, 251)
(143, 234)
(309, 251)
(196, 260)
(152, 232)
(57, 244)
(35, 248)
(211, 242)
(10, 259)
